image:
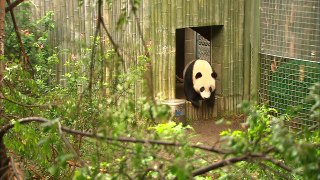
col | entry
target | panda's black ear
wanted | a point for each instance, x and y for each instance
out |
(198, 75)
(214, 75)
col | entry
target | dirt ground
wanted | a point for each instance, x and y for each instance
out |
(207, 131)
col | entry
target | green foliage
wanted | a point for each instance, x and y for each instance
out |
(110, 108)
(268, 134)
(171, 130)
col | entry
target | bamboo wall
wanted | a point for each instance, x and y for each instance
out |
(232, 48)
(231, 54)
(74, 28)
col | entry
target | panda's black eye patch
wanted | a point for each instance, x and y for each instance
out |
(214, 75)
(201, 89)
(198, 75)
(210, 89)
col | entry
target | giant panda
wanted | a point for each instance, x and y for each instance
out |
(199, 82)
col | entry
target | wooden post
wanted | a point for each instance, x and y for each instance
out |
(2, 25)
(4, 160)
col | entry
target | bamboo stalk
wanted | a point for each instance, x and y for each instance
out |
(256, 47)
(227, 51)
(241, 50)
(231, 52)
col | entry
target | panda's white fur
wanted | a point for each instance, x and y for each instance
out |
(199, 82)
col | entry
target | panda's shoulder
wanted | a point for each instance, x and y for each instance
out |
(202, 63)
(189, 67)
(203, 66)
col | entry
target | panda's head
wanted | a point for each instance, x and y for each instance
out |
(204, 78)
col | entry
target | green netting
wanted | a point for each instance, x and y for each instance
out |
(289, 55)
(290, 84)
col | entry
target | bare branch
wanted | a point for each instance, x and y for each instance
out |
(22, 50)
(219, 164)
(222, 163)
(265, 167)
(114, 44)
(5, 128)
(13, 5)
(27, 105)
(16, 171)
(248, 157)
(134, 10)
(93, 52)
(277, 163)
(69, 146)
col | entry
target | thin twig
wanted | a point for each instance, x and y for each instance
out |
(22, 50)
(247, 157)
(92, 65)
(265, 167)
(28, 105)
(93, 53)
(149, 170)
(114, 44)
(15, 172)
(69, 146)
(134, 10)
(32, 168)
(225, 162)
(277, 163)
(149, 77)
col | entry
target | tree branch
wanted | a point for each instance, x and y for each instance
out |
(27, 120)
(222, 163)
(114, 44)
(219, 164)
(13, 5)
(69, 146)
(22, 50)
(265, 167)
(277, 163)
(28, 105)
(247, 157)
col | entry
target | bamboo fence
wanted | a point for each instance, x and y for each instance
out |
(234, 50)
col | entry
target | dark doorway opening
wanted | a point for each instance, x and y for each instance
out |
(193, 43)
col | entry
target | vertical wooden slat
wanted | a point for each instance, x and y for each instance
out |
(240, 45)
(231, 55)
(247, 47)
(225, 63)
(255, 47)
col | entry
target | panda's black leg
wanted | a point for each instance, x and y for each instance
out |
(211, 100)
(195, 104)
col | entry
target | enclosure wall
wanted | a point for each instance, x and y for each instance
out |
(232, 47)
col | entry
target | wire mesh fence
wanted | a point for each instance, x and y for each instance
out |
(202, 48)
(289, 55)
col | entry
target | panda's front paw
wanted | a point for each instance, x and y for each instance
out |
(196, 104)
(210, 103)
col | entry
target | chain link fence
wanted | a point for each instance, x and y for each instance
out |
(289, 55)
